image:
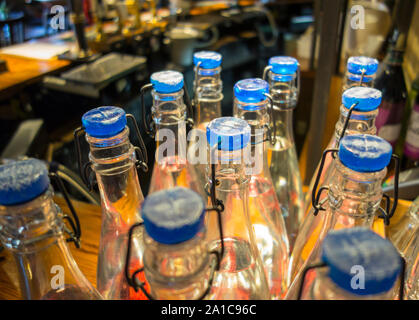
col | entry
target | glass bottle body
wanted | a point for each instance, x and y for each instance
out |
(113, 161)
(282, 157)
(241, 275)
(264, 208)
(352, 201)
(34, 233)
(171, 168)
(177, 271)
(359, 123)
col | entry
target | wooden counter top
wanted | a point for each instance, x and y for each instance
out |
(86, 256)
(23, 71)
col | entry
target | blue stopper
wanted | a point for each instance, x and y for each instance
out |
(283, 65)
(22, 181)
(208, 59)
(357, 65)
(348, 252)
(364, 152)
(173, 215)
(167, 81)
(228, 133)
(104, 122)
(367, 99)
(251, 90)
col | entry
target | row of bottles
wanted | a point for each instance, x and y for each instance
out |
(225, 216)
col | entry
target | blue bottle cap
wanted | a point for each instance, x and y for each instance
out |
(104, 122)
(228, 133)
(357, 65)
(22, 181)
(167, 81)
(368, 99)
(251, 90)
(208, 59)
(173, 215)
(353, 251)
(364, 152)
(283, 65)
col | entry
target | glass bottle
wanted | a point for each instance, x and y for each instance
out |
(412, 281)
(241, 275)
(361, 120)
(208, 96)
(113, 160)
(411, 144)
(283, 77)
(252, 105)
(348, 255)
(177, 262)
(169, 114)
(352, 198)
(360, 72)
(404, 234)
(32, 228)
(390, 80)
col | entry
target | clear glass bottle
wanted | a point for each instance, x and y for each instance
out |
(404, 234)
(169, 113)
(32, 228)
(359, 265)
(252, 105)
(360, 72)
(412, 281)
(283, 77)
(361, 121)
(353, 198)
(241, 275)
(177, 262)
(113, 160)
(208, 96)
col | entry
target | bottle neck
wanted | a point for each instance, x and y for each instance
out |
(394, 57)
(113, 160)
(177, 271)
(283, 123)
(207, 82)
(284, 90)
(357, 80)
(32, 226)
(257, 116)
(359, 123)
(33, 232)
(208, 95)
(355, 195)
(169, 115)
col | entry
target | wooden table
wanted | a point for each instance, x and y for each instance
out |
(24, 71)
(86, 256)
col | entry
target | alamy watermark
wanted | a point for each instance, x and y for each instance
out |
(57, 281)
(58, 20)
(358, 18)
